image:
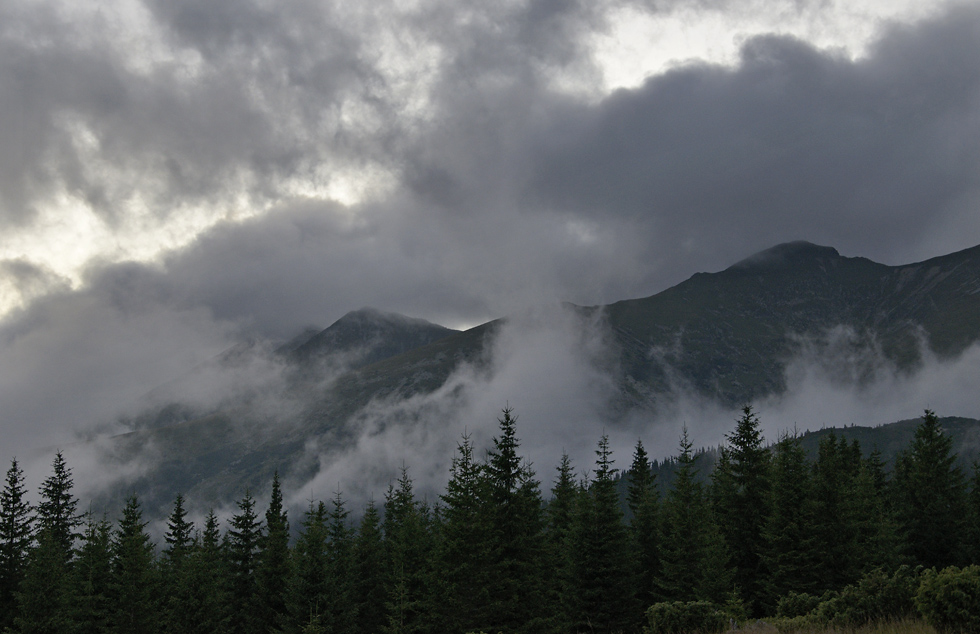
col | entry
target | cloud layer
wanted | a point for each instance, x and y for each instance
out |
(175, 176)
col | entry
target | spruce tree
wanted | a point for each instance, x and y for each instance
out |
(133, 574)
(57, 511)
(834, 527)
(369, 578)
(91, 596)
(243, 545)
(517, 546)
(339, 607)
(694, 561)
(973, 514)
(561, 508)
(306, 598)
(879, 543)
(409, 550)
(16, 532)
(644, 505)
(207, 608)
(464, 550)
(561, 514)
(272, 571)
(43, 599)
(741, 499)
(175, 569)
(599, 552)
(179, 536)
(932, 496)
(787, 559)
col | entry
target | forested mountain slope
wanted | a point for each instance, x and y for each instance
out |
(725, 336)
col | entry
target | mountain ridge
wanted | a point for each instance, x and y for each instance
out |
(725, 337)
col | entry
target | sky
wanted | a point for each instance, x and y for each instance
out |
(177, 175)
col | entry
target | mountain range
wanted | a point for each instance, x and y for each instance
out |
(727, 337)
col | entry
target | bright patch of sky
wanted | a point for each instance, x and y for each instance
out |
(641, 44)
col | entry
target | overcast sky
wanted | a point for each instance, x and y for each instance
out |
(175, 174)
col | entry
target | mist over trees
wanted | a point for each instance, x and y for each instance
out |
(494, 553)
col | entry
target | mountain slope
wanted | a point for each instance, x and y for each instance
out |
(367, 336)
(730, 334)
(727, 336)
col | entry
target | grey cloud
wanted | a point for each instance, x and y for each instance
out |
(32, 280)
(550, 364)
(705, 164)
(79, 119)
(793, 142)
(72, 361)
(510, 192)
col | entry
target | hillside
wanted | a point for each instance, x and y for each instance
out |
(724, 336)
(729, 335)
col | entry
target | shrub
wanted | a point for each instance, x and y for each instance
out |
(950, 600)
(876, 597)
(797, 604)
(677, 617)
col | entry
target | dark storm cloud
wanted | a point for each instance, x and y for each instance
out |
(250, 99)
(509, 191)
(878, 157)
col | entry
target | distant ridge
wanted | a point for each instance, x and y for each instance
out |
(729, 335)
(367, 336)
(725, 336)
(786, 255)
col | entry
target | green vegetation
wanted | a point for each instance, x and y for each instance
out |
(768, 540)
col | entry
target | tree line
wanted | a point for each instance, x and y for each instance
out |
(492, 554)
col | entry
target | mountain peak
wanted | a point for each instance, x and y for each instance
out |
(374, 316)
(368, 335)
(787, 254)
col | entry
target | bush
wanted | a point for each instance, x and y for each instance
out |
(950, 600)
(798, 604)
(677, 617)
(876, 597)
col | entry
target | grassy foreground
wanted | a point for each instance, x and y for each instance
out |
(895, 627)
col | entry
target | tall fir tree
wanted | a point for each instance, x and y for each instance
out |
(644, 505)
(517, 546)
(272, 570)
(786, 556)
(243, 546)
(306, 598)
(741, 501)
(694, 561)
(561, 508)
(91, 579)
(599, 552)
(369, 578)
(179, 536)
(175, 569)
(339, 608)
(208, 606)
(57, 512)
(973, 516)
(879, 543)
(409, 550)
(561, 514)
(464, 550)
(834, 527)
(932, 494)
(16, 534)
(43, 599)
(133, 575)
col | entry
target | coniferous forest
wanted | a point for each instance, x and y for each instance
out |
(843, 539)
